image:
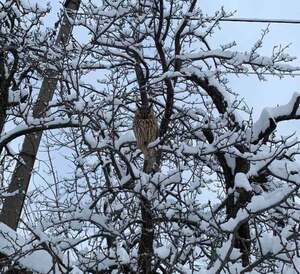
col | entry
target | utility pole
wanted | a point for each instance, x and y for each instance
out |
(13, 205)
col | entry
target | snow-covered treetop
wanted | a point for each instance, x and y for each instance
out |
(222, 196)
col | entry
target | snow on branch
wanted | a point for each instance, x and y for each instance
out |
(27, 255)
(237, 59)
(38, 125)
(266, 123)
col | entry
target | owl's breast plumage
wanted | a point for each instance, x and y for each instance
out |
(145, 130)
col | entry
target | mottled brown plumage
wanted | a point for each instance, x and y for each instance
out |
(146, 130)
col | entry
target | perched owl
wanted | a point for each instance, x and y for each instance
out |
(146, 130)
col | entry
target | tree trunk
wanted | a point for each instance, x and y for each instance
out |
(4, 85)
(147, 235)
(12, 206)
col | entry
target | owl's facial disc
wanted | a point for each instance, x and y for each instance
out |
(144, 113)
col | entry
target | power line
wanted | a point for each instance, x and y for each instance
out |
(261, 20)
(246, 20)
(243, 20)
(262, 73)
(228, 19)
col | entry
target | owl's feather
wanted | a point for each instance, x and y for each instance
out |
(146, 131)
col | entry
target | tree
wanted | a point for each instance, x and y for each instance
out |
(120, 211)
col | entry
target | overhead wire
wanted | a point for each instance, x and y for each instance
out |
(225, 19)
(247, 20)
(260, 20)
(262, 73)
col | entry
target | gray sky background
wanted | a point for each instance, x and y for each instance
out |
(257, 94)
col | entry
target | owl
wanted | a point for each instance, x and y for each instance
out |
(145, 130)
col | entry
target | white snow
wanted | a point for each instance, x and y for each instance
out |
(124, 138)
(162, 252)
(237, 58)
(241, 181)
(231, 224)
(270, 243)
(122, 255)
(11, 243)
(272, 113)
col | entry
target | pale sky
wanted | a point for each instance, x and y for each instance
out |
(275, 91)
(257, 94)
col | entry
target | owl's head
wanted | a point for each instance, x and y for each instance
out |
(144, 112)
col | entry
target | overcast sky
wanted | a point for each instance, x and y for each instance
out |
(275, 91)
(257, 94)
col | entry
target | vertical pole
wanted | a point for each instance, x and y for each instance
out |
(12, 206)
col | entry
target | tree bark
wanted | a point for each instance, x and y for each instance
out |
(12, 206)
(147, 235)
(242, 237)
(4, 86)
